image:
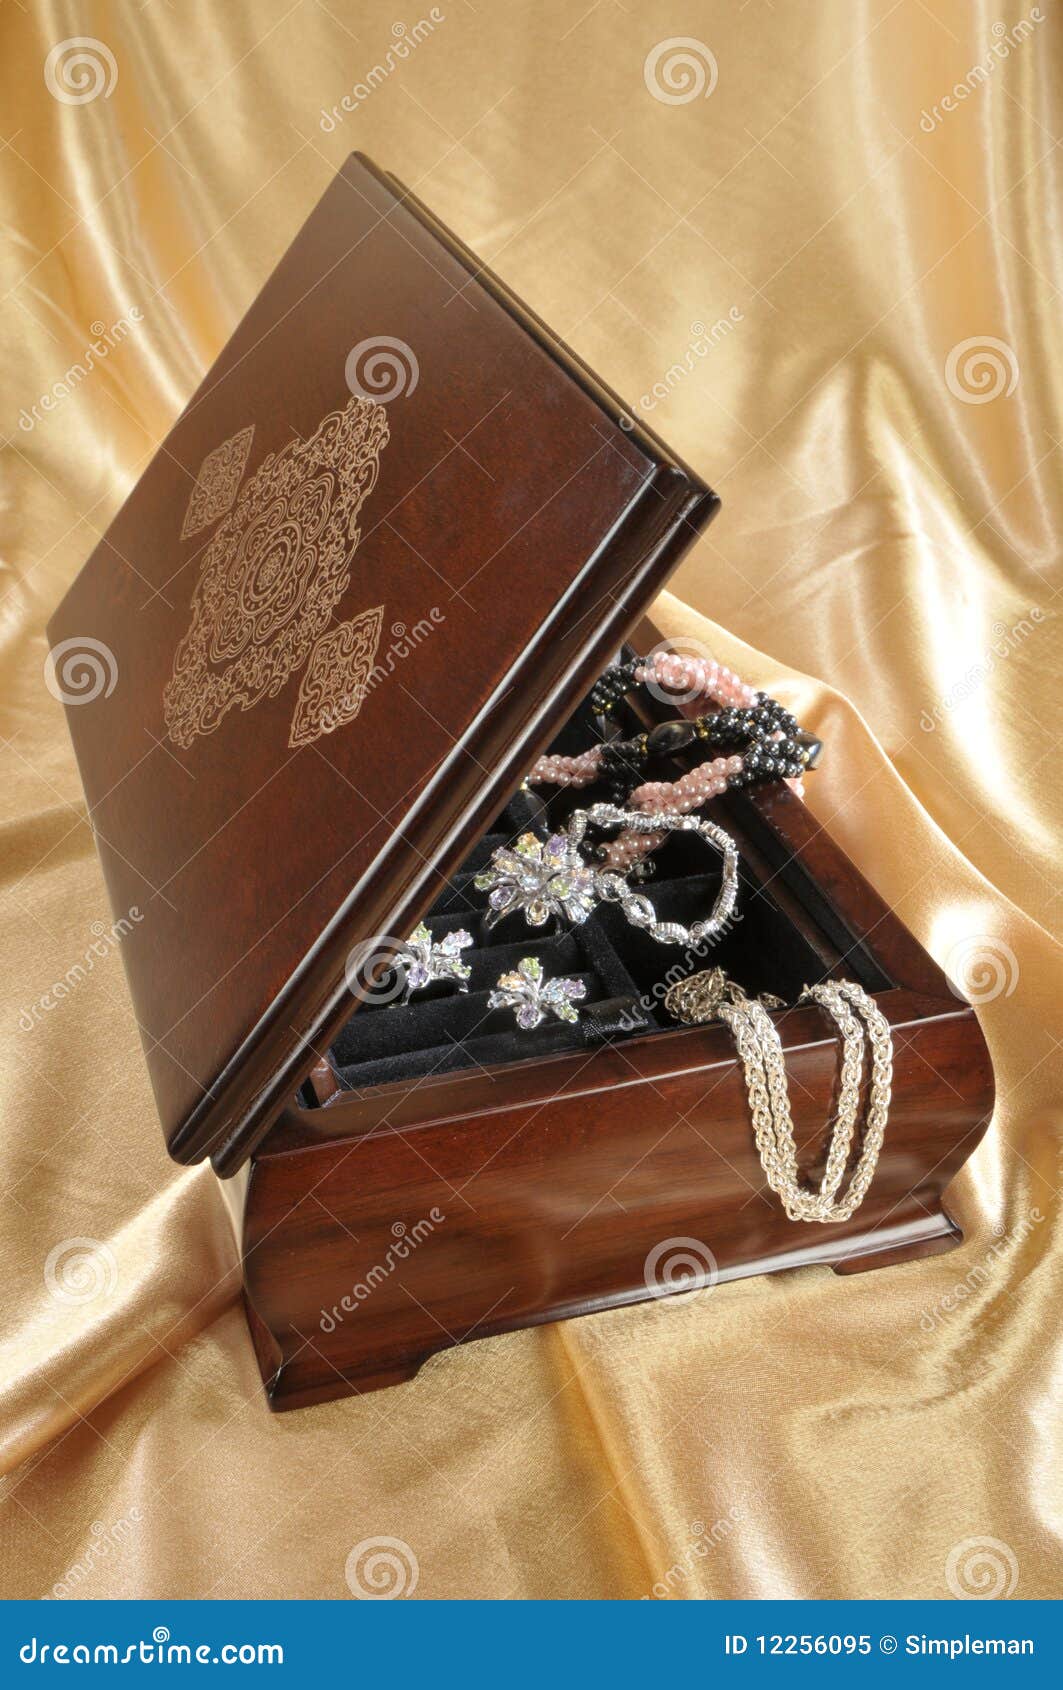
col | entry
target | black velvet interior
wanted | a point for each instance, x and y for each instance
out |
(625, 971)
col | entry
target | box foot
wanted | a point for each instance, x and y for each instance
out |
(290, 1389)
(930, 1236)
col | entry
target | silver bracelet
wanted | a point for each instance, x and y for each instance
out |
(548, 879)
(614, 888)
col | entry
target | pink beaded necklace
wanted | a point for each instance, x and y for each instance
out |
(692, 678)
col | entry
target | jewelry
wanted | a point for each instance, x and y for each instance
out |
(711, 995)
(540, 880)
(694, 676)
(613, 886)
(423, 960)
(690, 792)
(775, 749)
(525, 991)
(762, 739)
(697, 998)
(744, 712)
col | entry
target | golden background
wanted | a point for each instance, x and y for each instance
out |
(887, 548)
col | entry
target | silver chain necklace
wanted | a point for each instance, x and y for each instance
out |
(711, 996)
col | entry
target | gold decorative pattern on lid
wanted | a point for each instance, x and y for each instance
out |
(337, 678)
(274, 571)
(219, 477)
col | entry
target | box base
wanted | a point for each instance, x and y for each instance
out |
(307, 1376)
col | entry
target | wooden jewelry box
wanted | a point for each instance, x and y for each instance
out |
(373, 571)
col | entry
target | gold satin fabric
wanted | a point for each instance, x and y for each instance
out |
(867, 297)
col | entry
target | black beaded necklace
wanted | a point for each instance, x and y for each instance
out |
(772, 744)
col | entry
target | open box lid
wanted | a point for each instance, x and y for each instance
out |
(389, 543)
